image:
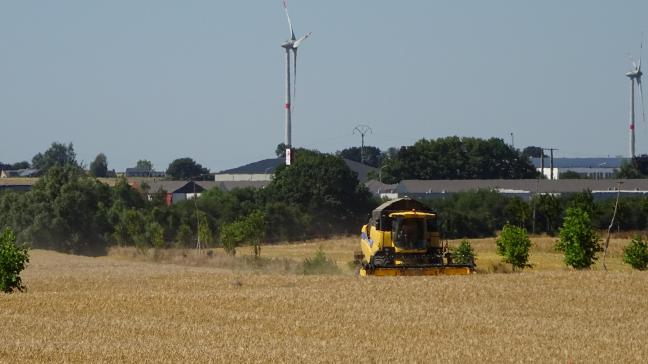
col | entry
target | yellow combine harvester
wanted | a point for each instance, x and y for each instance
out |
(402, 239)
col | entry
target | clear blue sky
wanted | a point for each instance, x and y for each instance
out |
(165, 79)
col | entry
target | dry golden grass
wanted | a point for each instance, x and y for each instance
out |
(118, 309)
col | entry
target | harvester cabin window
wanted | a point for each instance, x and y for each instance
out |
(432, 225)
(409, 233)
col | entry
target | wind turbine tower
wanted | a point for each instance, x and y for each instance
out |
(290, 45)
(635, 76)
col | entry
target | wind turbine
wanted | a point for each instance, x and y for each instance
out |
(290, 45)
(635, 76)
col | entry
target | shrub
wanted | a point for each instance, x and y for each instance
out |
(464, 254)
(319, 264)
(184, 236)
(636, 254)
(513, 245)
(249, 229)
(155, 233)
(13, 259)
(204, 231)
(578, 240)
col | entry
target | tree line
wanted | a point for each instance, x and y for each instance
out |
(67, 210)
(61, 155)
(482, 213)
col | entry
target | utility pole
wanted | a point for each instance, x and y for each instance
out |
(542, 160)
(551, 161)
(362, 130)
(616, 206)
(512, 141)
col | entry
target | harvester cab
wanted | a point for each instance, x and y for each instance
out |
(402, 238)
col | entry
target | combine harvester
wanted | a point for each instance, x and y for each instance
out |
(402, 239)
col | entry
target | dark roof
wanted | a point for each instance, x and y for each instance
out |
(143, 172)
(266, 166)
(581, 162)
(377, 187)
(175, 187)
(530, 185)
(361, 169)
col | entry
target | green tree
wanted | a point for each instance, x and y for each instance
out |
(13, 259)
(250, 229)
(549, 209)
(134, 225)
(184, 237)
(280, 151)
(204, 231)
(629, 170)
(99, 167)
(144, 165)
(457, 158)
(185, 168)
(636, 253)
(67, 211)
(532, 152)
(464, 254)
(57, 155)
(372, 156)
(155, 234)
(578, 240)
(324, 188)
(513, 245)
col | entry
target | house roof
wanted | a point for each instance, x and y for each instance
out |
(175, 187)
(361, 169)
(377, 187)
(580, 162)
(265, 166)
(521, 185)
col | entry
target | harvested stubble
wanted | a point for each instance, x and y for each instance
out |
(80, 309)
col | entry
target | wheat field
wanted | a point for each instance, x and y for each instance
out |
(122, 308)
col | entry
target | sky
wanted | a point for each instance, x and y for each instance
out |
(162, 79)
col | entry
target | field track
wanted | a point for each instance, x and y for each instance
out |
(111, 309)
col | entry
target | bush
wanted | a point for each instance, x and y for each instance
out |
(319, 264)
(249, 229)
(636, 254)
(513, 245)
(464, 254)
(184, 236)
(13, 259)
(578, 240)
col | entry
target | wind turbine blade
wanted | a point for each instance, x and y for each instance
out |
(640, 52)
(300, 40)
(292, 33)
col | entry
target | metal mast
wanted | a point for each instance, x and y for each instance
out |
(290, 45)
(362, 130)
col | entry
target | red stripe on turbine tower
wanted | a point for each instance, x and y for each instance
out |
(631, 126)
(287, 106)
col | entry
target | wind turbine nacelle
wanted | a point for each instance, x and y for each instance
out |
(289, 44)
